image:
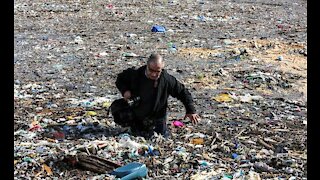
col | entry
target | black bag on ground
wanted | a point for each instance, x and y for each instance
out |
(122, 112)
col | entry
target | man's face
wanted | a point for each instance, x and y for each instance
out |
(154, 70)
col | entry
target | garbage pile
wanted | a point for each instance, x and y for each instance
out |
(244, 62)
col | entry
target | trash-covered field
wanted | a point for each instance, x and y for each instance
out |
(244, 61)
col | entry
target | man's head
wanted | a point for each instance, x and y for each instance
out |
(155, 65)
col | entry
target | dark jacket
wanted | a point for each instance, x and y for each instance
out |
(167, 85)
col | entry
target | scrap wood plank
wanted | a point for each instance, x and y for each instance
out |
(93, 163)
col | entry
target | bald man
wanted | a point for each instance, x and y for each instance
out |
(153, 85)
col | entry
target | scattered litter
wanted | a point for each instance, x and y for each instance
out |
(245, 69)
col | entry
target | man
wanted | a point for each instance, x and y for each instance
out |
(153, 85)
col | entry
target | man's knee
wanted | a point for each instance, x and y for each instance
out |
(161, 126)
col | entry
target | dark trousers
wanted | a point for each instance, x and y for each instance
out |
(148, 126)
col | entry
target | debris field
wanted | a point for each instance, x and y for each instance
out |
(244, 62)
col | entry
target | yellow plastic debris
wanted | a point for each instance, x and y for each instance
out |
(223, 98)
(91, 113)
(106, 104)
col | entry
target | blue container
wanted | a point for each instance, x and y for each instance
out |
(131, 171)
(157, 28)
(234, 155)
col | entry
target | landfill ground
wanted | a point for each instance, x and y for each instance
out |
(244, 62)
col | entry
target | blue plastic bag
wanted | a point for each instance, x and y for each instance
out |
(157, 28)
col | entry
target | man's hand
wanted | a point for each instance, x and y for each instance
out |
(127, 95)
(195, 118)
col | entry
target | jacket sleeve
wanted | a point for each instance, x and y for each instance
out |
(178, 90)
(123, 80)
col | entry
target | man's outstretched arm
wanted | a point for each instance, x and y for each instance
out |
(179, 91)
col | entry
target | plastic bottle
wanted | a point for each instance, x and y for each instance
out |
(125, 141)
